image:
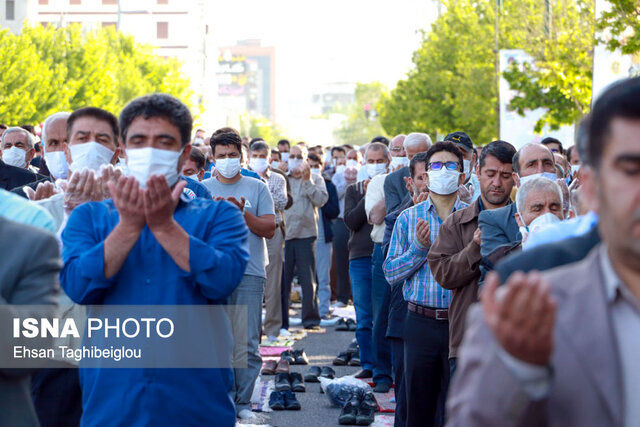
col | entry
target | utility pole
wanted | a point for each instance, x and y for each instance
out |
(496, 48)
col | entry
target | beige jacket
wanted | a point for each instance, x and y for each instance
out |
(301, 219)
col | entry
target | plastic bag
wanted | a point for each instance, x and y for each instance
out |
(341, 390)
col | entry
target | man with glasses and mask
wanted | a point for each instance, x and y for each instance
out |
(150, 245)
(426, 339)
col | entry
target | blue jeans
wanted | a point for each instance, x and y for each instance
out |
(249, 293)
(360, 274)
(323, 265)
(380, 300)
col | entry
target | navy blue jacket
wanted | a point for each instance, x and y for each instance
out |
(330, 211)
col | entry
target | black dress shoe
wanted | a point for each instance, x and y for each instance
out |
(312, 374)
(300, 357)
(328, 372)
(364, 373)
(312, 327)
(351, 325)
(383, 387)
(349, 413)
(342, 359)
(288, 356)
(290, 401)
(296, 382)
(355, 361)
(282, 382)
(276, 401)
(366, 410)
(341, 325)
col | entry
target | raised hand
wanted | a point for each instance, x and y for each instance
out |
(239, 203)
(464, 195)
(44, 190)
(423, 233)
(522, 317)
(108, 174)
(160, 201)
(477, 237)
(421, 197)
(306, 171)
(81, 188)
(128, 198)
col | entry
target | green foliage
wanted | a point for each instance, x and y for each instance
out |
(623, 24)
(453, 83)
(256, 126)
(356, 128)
(51, 69)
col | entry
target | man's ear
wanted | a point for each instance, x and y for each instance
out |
(519, 220)
(186, 152)
(516, 180)
(589, 188)
(67, 152)
(201, 175)
(29, 156)
(116, 156)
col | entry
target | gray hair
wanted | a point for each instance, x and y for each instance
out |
(536, 184)
(416, 138)
(30, 138)
(48, 121)
(377, 146)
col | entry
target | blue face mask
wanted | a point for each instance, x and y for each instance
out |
(551, 176)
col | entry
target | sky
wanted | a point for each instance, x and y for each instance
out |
(327, 41)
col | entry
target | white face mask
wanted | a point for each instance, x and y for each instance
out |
(315, 171)
(444, 181)
(57, 164)
(294, 164)
(275, 164)
(467, 168)
(228, 167)
(194, 177)
(15, 156)
(90, 155)
(539, 223)
(353, 164)
(374, 169)
(575, 169)
(258, 165)
(552, 176)
(144, 162)
(399, 161)
(340, 168)
(285, 157)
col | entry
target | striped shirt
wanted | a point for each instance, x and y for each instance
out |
(407, 257)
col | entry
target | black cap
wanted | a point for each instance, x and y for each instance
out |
(461, 139)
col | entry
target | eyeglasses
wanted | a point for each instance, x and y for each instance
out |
(299, 157)
(436, 166)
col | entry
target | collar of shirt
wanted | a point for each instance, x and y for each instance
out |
(612, 283)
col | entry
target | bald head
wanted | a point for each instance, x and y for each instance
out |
(396, 146)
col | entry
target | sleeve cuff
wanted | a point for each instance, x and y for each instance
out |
(200, 258)
(92, 263)
(418, 248)
(535, 380)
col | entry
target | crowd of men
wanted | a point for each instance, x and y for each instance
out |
(413, 232)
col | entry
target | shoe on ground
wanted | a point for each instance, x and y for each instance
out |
(247, 415)
(366, 410)
(351, 325)
(300, 357)
(348, 415)
(282, 382)
(312, 374)
(288, 356)
(269, 368)
(340, 304)
(342, 359)
(312, 327)
(341, 325)
(382, 387)
(355, 361)
(285, 333)
(327, 372)
(363, 374)
(276, 401)
(272, 338)
(282, 367)
(297, 384)
(290, 401)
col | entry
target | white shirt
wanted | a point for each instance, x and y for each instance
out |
(375, 193)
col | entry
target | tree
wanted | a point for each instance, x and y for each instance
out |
(61, 69)
(623, 23)
(361, 123)
(452, 85)
(256, 126)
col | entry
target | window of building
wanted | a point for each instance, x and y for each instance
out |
(162, 30)
(10, 11)
(109, 24)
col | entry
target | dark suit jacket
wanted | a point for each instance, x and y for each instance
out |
(12, 177)
(28, 276)
(499, 227)
(551, 255)
(330, 211)
(395, 190)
